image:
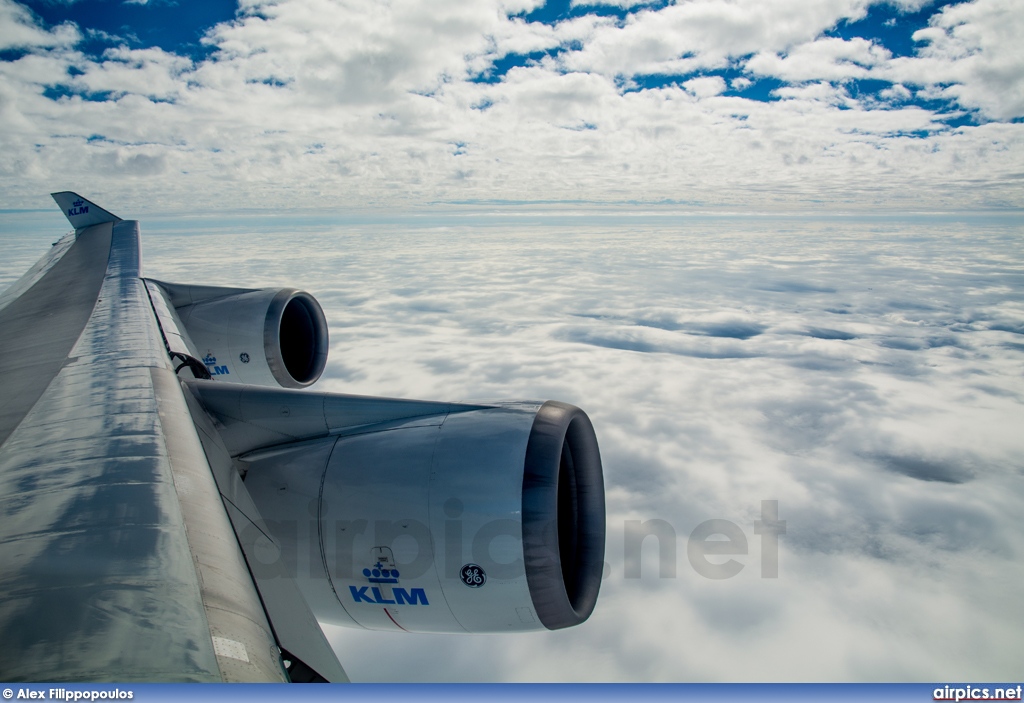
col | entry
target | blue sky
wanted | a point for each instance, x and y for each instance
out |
(171, 26)
(722, 105)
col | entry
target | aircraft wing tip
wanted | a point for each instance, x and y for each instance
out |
(80, 211)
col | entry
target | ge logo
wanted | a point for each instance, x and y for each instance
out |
(244, 358)
(473, 576)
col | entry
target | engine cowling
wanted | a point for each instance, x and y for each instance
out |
(487, 520)
(261, 337)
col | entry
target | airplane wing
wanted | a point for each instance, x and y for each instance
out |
(176, 507)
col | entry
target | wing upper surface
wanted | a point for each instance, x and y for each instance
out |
(119, 563)
(31, 354)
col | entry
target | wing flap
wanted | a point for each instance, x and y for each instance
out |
(296, 629)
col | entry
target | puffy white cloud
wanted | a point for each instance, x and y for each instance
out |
(972, 54)
(519, 37)
(829, 59)
(354, 52)
(151, 73)
(821, 92)
(740, 83)
(624, 4)
(706, 34)
(382, 105)
(705, 86)
(19, 29)
(897, 92)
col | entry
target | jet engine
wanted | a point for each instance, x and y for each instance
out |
(455, 518)
(383, 513)
(262, 336)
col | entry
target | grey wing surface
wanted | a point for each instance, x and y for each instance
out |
(118, 558)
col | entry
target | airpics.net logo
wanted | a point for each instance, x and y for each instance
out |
(711, 538)
(715, 549)
(977, 693)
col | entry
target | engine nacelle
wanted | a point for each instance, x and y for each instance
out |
(260, 337)
(486, 520)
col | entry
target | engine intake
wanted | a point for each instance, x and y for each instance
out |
(563, 515)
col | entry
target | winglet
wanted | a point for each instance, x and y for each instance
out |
(80, 212)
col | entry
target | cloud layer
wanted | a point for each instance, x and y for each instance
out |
(863, 373)
(710, 103)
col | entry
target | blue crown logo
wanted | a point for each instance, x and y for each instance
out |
(209, 360)
(78, 203)
(381, 574)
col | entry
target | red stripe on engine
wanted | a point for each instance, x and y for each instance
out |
(394, 621)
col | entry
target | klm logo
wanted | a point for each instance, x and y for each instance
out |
(211, 364)
(414, 596)
(78, 208)
(380, 574)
